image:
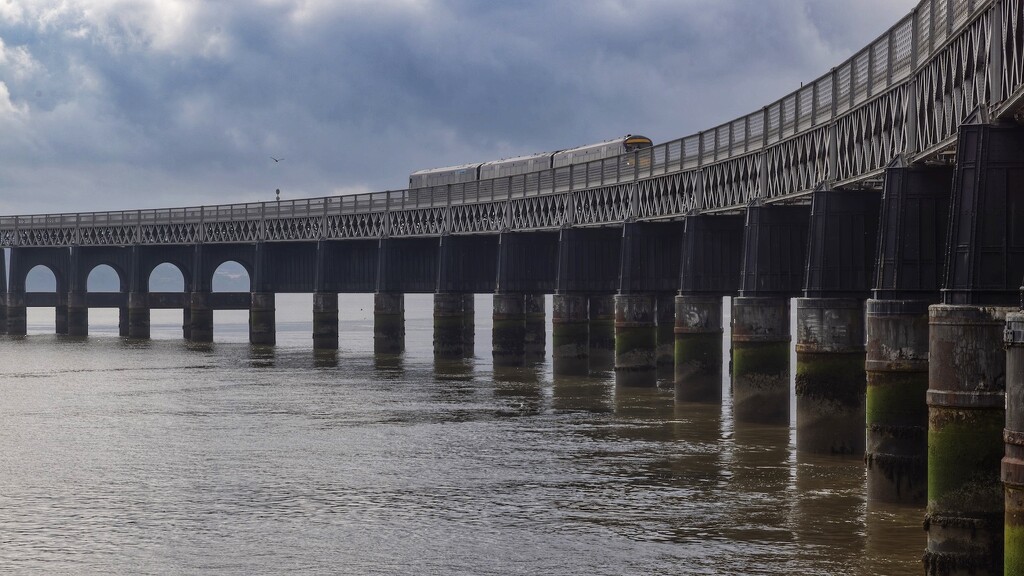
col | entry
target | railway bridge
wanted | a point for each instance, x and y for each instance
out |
(886, 196)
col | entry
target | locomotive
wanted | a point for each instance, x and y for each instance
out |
(524, 164)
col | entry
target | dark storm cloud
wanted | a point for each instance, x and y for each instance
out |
(125, 104)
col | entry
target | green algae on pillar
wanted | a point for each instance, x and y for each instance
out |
(635, 340)
(698, 348)
(570, 331)
(1013, 460)
(262, 319)
(760, 357)
(388, 323)
(508, 337)
(448, 328)
(966, 382)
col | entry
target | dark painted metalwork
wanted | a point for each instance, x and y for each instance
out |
(467, 264)
(588, 260)
(712, 254)
(843, 231)
(774, 250)
(650, 257)
(527, 262)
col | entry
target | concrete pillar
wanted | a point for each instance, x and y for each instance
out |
(122, 321)
(202, 317)
(635, 340)
(468, 325)
(665, 309)
(570, 340)
(448, 327)
(325, 321)
(760, 356)
(602, 331)
(262, 319)
(388, 323)
(1013, 436)
(896, 412)
(535, 329)
(138, 315)
(830, 379)
(966, 383)
(698, 348)
(17, 321)
(61, 314)
(509, 332)
(78, 314)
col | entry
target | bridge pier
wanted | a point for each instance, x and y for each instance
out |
(449, 329)
(17, 322)
(186, 323)
(698, 348)
(602, 331)
(468, 325)
(570, 335)
(325, 320)
(666, 337)
(138, 315)
(1013, 436)
(262, 319)
(201, 316)
(509, 331)
(830, 375)
(535, 327)
(388, 323)
(635, 340)
(60, 314)
(78, 314)
(760, 356)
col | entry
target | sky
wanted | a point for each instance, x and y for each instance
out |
(132, 104)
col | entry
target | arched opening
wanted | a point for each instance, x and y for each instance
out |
(40, 319)
(101, 320)
(231, 325)
(167, 322)
(103, 278)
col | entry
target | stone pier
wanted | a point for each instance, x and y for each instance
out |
(570, 335)
(1013, 437)
(448, 326)
(60, 319)
(602, 331)
(760, 355)
(635, 340)
(262, 319)
(388, 323)
(17, 323)
(666, 337)
(325, 321)
(698, 348)
(535, 328)
(78, 314)
(201, 317)
(139, 315)
(469, 325)
(509, 330)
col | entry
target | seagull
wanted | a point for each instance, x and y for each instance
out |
(276, 159)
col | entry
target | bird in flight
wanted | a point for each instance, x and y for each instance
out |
(276, 159)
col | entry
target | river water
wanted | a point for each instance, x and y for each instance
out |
(161, 457)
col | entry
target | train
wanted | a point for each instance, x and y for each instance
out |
(525, 164)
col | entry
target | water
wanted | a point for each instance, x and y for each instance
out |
(161, 457)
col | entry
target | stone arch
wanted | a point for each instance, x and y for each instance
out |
(167, 275)
(42, 278)
(228, 277)
(100, 274)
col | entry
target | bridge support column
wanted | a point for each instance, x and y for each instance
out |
(509, 331)
(202, 317)
(186, 323)
(570, 335)
(325, 321)
(1013, 435)
(698, 348)
(138, 315)
(896, 366)
(78, 314)
(263, 319)
(61, 313)
(388, 323)
(535, 329)
(966, 379)
(830, 379)
(665, 305)
(468, 325)
(17, 323)
(602, 331)
(760, 355)
(635, 340)
(449, 337)
(122, 321)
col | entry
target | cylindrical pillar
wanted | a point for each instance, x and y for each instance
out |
(830, 380)
(509, 331)
(966, 383)
(896, 413)
(602, 331)
(448, 328)
(325, 321)
(535, 329)
(17, 320)
(698, 348)
(388, 323)
(468, 325)
(1013, 436)
(78, 314)
(202, 317)
(138, 315)
(635, 340)
(570, 331)
(61, 314)
(664, 354)
(262, 319)
(760, 356)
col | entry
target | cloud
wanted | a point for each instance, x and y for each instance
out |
(111, 104)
